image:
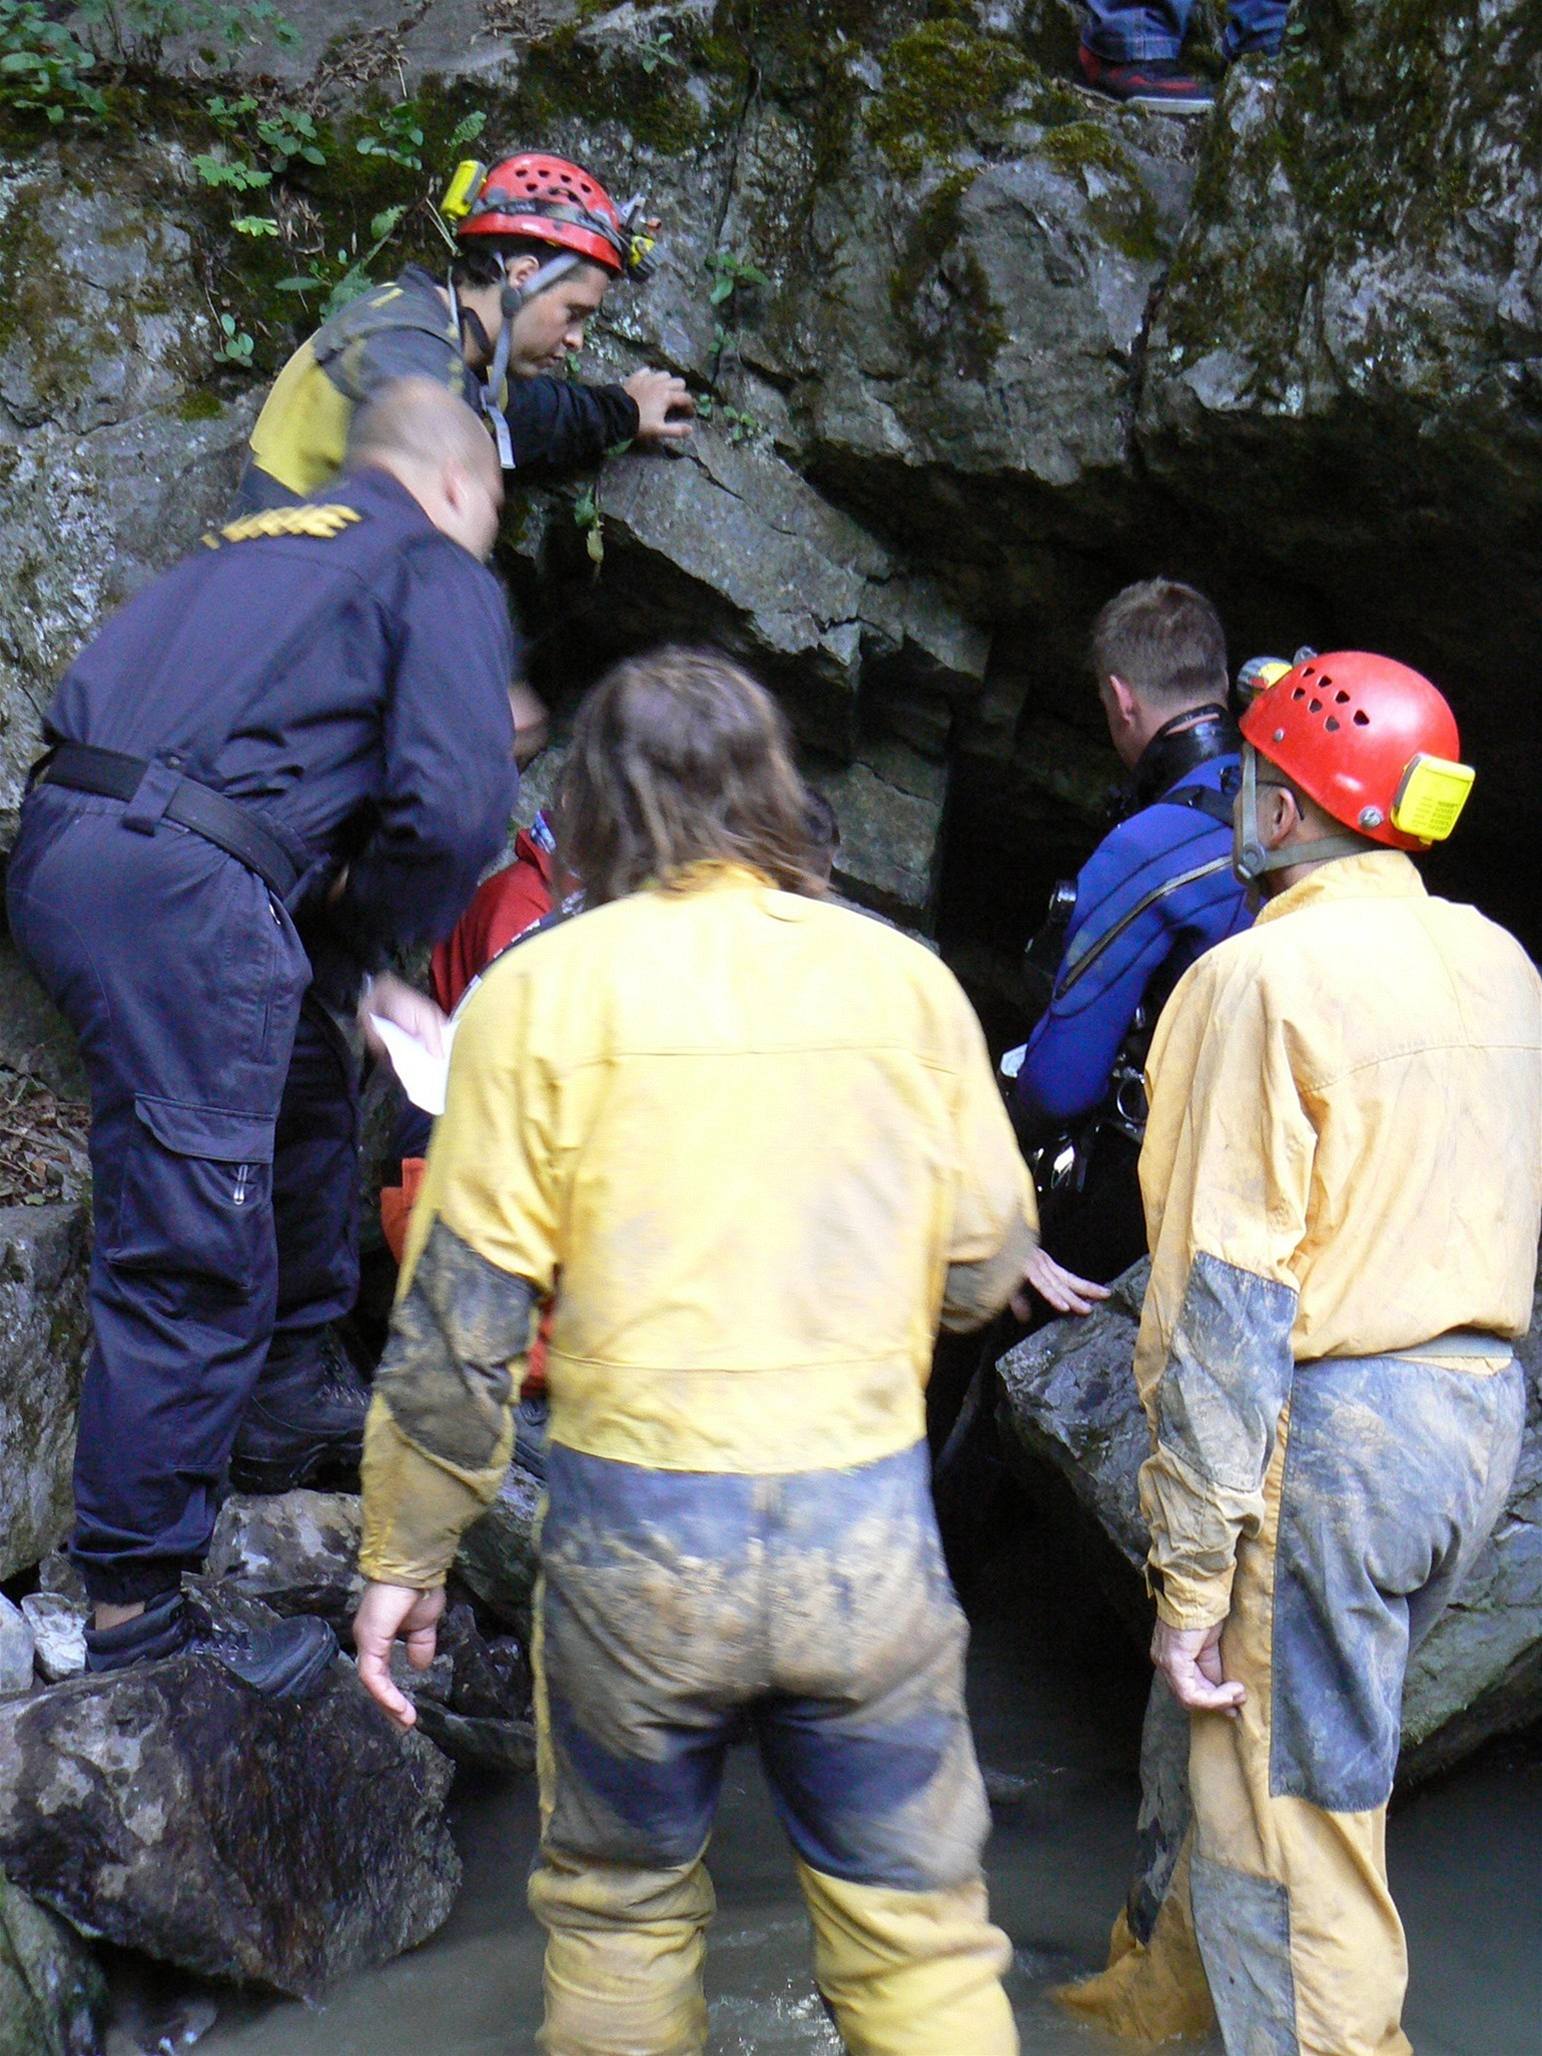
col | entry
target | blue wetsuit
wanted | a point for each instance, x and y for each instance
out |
(1108, 968)
(347, 687)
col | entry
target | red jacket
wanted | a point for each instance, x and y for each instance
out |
(503, 907)
(501, 910)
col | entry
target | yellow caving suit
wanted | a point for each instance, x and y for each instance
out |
(758, 1137)
(1342, 1176)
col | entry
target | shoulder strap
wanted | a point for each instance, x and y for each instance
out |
(1157, 894)
(1199, 799)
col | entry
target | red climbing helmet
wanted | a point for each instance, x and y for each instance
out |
(550, 200)
(1371, 741)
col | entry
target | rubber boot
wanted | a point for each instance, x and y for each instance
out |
(287, 1661)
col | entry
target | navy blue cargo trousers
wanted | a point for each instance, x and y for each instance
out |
(224, 1121)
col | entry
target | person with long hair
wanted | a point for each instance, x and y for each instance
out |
(758, 1137)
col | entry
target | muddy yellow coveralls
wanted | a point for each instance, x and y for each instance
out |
(758, 1137)
(1343, 1180)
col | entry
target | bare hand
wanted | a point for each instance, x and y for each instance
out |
(386, 1612)
(397, 1001)
(1190, 1660)
(1057, 1287)
(664, 406)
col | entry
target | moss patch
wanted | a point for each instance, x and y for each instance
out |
(938, 81)
(1118, 203)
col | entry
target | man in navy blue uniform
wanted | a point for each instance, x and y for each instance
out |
(1155, 894)
(285, 757)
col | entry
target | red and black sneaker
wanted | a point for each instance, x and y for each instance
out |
(1160, 84)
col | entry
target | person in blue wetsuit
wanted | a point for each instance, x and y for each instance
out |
(287, 756)
(1155, 894)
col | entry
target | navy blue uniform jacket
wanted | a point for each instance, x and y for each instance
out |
(351, 688)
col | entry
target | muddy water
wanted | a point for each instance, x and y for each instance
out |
(1057, 1702)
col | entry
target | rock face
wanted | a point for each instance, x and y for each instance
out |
(42, 1354)
(1070, 1407)
(171, 1810)
(52, 1997)
(977, 348)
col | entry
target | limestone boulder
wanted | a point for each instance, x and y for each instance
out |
(169, 1809)
(1069, 1414)
(298, 1553)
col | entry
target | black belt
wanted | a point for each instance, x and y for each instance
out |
(225, 822)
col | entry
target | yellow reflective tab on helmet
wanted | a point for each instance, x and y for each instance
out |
(320, 522)
(1431, 796)
(462, 189)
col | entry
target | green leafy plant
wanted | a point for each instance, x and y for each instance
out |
(730, 270)
(235, 346)
(133, 33)
(289, 136)
(654, 51)
(591, 522)
(254, 225)
(737, 423)
(43, 65)
(466, 130)
(346, 275)
(242, 176)
(396, 135)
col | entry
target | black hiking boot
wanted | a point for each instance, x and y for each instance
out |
(287, 1661)
(309, 1430)
(1161, 85)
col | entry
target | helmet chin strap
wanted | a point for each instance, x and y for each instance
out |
(1250, 860)
(510, 302)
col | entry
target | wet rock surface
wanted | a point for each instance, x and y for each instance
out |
(52, 1996)
(1069, 1409)
(298, 1553)
(42, 1354)
(170, 1809)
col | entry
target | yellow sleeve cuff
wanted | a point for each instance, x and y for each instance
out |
(415, 1508)
(1189, 1602)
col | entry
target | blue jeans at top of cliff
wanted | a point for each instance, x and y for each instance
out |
(1126, 31)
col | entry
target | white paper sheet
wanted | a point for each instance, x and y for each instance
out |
(422, 1075)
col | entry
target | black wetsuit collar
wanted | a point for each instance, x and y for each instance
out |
(1194, 737)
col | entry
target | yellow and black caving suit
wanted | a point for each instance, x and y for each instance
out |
(406, 330)
(1343, 1179)
(759, 1138)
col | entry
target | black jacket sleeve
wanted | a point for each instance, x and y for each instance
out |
(558, 425)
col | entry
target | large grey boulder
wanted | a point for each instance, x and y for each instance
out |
(170, 1809)
(52, 1995)
(43, 1342)
(298, 1552)
(1069, 1410)
(498, 1558)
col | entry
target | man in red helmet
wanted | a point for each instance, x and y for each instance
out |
(1343, 1181)
(539, 242)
